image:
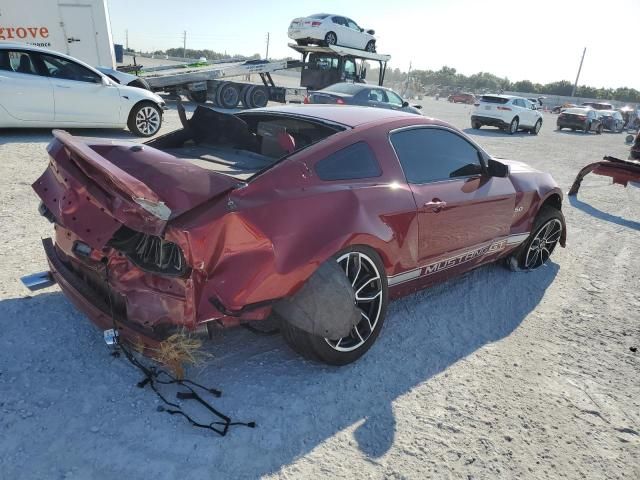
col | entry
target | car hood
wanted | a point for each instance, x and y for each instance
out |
(516, 167)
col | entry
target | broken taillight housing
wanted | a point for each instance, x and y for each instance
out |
(149, 252)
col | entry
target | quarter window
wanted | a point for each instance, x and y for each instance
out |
(352, 162)
(433, 154)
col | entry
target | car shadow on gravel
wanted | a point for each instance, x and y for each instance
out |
(607, 217)
(83, 407)
(493, 133)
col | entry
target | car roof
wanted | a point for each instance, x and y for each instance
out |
(31, 48)
(347, 115)
(356, 87)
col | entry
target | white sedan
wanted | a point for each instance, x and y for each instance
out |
(41, 88)
(327, 29)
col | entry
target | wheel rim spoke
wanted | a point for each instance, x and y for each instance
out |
(543, 244)
(366, 281)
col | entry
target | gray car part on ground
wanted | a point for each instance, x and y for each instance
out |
(325, 306)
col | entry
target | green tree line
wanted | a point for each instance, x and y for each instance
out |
(484, 81)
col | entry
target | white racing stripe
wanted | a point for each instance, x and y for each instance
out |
(456, 260)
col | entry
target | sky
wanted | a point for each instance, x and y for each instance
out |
(541, 41)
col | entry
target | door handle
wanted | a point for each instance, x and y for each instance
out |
(63, 86)
(436, 205)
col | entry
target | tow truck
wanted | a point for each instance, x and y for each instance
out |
(227, 84)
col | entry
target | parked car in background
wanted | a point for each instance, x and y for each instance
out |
(507, 112)
(372, 205)
(598, 105)
(362, 94)
(327, 29)
(584, 119)
(42, 88)
(468, 98)
(634, 154)
(611, 120)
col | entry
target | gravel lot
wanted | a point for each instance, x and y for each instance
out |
(493, 375)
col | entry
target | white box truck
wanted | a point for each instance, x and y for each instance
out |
(79, 28)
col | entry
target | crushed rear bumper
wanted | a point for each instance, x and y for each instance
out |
(94, 306)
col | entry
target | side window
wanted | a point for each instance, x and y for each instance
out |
(352, 25)
(20, 62)
(67, 70)
(352, 162)
(338, 20)
(394, 98)
(377, 95)
(433, 154)
(350, 68)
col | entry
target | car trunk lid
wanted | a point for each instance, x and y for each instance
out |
(94, 186)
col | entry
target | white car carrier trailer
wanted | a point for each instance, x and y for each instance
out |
(220, 82)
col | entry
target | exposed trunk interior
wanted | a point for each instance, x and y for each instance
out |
(243, 144)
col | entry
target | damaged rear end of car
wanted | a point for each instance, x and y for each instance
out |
(155, 239)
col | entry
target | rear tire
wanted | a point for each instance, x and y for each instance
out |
(145, 119)
(330, 39)
(537, 249)
(256, 96)
(599, 129)
(363, 266)
(228, 95)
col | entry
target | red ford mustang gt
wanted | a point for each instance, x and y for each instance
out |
(318, 215)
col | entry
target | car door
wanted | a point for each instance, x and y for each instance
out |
(80, 96)
(521, 111)
(356, 39)
(26, 94)
(464, 215)
(341, 31)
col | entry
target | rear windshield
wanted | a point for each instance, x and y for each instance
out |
(492, 99)
(319, 16)
(348, 88)
(575, 111)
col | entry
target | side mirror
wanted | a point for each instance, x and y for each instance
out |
(419, 107)
(497, 169)
(371, 32)
(105, 81)
(405, 104)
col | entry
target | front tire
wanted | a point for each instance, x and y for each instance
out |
(145, 119)
(537, 127)
(513, 126)
(545, 235)
(476, 125)
(365, 270)
(371, 46)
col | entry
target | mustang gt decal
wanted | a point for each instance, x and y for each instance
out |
(459, 259)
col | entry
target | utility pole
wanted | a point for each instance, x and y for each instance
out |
(126, 32)
(575, 85)
(266, 57)
(184, 44)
